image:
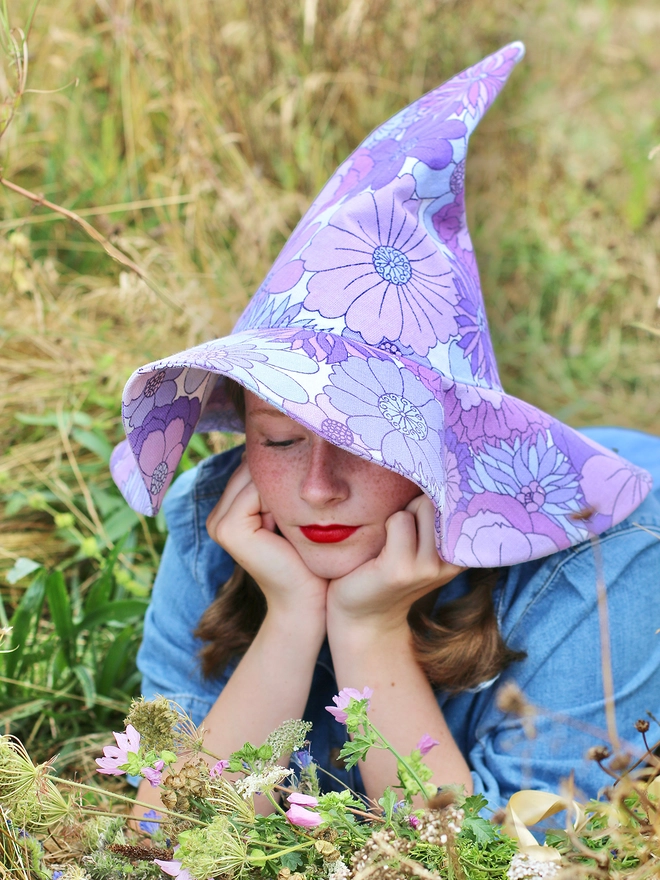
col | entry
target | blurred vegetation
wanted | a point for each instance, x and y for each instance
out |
(193, 136)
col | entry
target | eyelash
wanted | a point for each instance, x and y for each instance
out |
(281, 444)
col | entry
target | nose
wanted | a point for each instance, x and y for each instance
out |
(324, 481)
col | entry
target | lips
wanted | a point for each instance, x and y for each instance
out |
(328, 534)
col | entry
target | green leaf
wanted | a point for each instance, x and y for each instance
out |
(113, 667)
(115, 612)
(95, 442)
(84, 676)
(387, 802)
(120, 522)
(20, 569)
(479, 829)
(292, 860)
(101, 590)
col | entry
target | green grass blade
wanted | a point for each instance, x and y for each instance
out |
(25, 618)
(59, 605)
(114, 612)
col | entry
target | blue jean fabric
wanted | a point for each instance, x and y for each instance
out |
(546, 608)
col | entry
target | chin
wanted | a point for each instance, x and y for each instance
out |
(334, 562)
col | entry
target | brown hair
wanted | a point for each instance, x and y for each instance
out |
(458, 648)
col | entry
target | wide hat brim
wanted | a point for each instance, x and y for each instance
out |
(508, 481)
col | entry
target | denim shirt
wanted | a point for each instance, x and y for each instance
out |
(546, 608)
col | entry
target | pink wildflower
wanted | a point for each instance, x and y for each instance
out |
(413, 821)
(303, 800)
(216, 770)
(342, 700)
(298, 815)
(427, 743)
(114, 757)
(154, 774)
(174, 869)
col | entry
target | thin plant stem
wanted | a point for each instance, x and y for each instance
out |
(125, 800)
(94, 234)
(401, 759)
(605, 647)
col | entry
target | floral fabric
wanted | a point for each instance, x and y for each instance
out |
(370, 330)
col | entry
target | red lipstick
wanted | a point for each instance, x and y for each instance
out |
(328, 534)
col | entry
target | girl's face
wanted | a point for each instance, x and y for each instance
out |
(330, 504)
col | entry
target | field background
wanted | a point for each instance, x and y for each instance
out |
(193, 136)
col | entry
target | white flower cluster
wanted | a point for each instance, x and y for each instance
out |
(257, 783)
(337, 870)
(524, 867)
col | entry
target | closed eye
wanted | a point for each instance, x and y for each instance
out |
(279, 443)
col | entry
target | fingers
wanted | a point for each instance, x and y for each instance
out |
(410, 548)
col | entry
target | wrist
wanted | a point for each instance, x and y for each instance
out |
(369, 632)
(304, 624)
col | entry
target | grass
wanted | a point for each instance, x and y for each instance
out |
(193, 136)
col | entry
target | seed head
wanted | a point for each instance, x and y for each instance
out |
(642, 725)
(598, 753)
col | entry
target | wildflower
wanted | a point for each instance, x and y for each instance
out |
(598, 753)
(164, 725)
(302, 758)
(148, 827)
(298, 815)
(524, 867)
(216, 770)
(343, 700)
(288, 737)
(303, 800)
(258, 783)
(427, 743)
(216, 849)
(642, 725)
(413, 821)
(115, 759)
(27, 791)
(174, 868)
(154, 774)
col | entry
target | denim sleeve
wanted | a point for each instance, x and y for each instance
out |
(552, 614)
(190, 572)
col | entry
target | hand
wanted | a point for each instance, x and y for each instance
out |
(239, 525)
(379, 593)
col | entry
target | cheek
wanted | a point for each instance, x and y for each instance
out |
(272, 475)
(385, 492)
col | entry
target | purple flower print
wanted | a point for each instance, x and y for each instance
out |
(473, 330)
(160, 454)
(475, 89)
(337, 433)
(394, 415)
(537, 474)
(268, 362)
(159, 390)
(449, 221)
(488, 539)
(266, 310)
(615, 486)
(376, 266)
(428, 139)
(128, 479)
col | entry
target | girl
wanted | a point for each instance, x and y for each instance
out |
(395, 520)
